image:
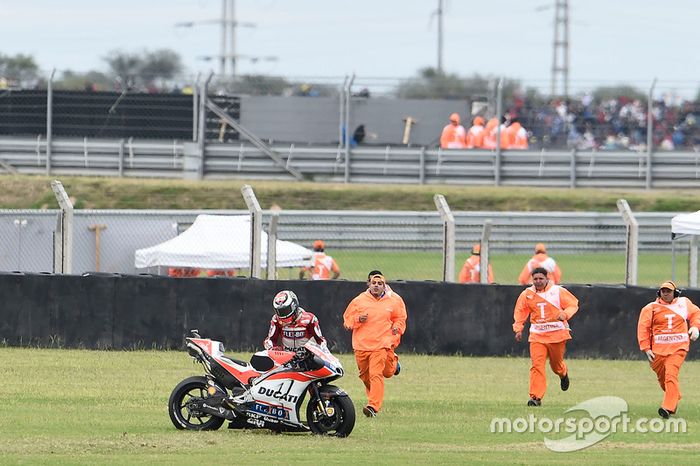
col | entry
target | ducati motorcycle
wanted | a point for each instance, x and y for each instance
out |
(266, 393)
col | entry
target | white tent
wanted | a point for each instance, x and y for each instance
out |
(686, 225)
(218, 242)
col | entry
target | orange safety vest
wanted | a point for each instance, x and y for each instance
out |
(471, 270)
(453, 137)
(475, 137)
(543, 309)
(321, 266)
(663, 328)
(517, 136)
(540, 260)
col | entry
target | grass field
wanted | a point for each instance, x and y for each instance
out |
(92, 407)
(581, 268)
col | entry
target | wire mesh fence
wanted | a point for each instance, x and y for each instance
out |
(603, 118)
(589, 248)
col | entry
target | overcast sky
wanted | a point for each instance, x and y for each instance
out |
(612, 41)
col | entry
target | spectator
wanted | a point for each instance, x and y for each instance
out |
(322, 266)
(475, 135)
(291, 326)
(453, 135)
(663, 336)
(377, 318)
(549, 307)
(540, 259)
(472, 268)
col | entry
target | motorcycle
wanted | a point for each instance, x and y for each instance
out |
(266, 393)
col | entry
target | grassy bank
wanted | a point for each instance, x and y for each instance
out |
(32, 192)
(99, 407)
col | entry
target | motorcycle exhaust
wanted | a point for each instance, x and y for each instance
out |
(218, 411)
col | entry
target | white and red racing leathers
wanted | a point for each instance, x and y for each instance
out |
(294, 335)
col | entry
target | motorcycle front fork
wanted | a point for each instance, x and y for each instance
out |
(323, 408)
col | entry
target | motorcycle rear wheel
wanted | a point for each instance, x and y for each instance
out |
(339, 424)
(180, 415)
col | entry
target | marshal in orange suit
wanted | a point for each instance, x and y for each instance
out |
(663, 335)
(549, 308)
(377, 318)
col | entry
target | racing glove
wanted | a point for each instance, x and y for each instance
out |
(268, 344)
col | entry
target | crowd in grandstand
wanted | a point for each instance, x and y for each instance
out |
(612, 124)
(583, 124)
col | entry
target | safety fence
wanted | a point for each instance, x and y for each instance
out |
(590, 247)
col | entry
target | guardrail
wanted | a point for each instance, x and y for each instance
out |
(389, 164)
(27, 235)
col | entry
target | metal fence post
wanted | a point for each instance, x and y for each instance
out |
(484, 253)
(448, 239)
(346, 141)
(421, 166)
(572, 175)
(341, 113)
(63, 237)
(272, 246)
(693, 262)
(49, 120)
(499, 110)
(195, 108)
(632, 241)
(202, 137)
(650, 133)
(255, 229)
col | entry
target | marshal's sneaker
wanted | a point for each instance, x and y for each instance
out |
(369, 411)
(398, 368)
(664, 413)
(564, 383)
(534, 401)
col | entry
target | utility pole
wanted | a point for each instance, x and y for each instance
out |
(560, 47)
(439, 41)
(226, 21)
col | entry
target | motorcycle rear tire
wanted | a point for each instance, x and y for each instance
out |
(340, 424)
(176, 405)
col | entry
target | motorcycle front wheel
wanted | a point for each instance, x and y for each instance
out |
(181, 415)
(339, 423)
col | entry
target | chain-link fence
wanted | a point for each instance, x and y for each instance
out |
(589, 247)
(663, 115)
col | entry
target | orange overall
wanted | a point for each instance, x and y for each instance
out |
(663, 328)
(548, 335)
(471, 270)
(374, 340)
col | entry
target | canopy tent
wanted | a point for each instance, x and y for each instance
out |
(686, 225)
(218, 242)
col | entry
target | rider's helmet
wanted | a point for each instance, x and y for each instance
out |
(286, 306)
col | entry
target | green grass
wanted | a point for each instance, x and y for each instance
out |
(30, 192)
(577, 268)
(92, 407)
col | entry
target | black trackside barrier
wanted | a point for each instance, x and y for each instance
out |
(142, 311)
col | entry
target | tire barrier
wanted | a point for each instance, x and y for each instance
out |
(113, 311)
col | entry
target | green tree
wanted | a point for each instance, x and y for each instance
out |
(433, 84)
(614, 92)
(144, 68)
(19, 67)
